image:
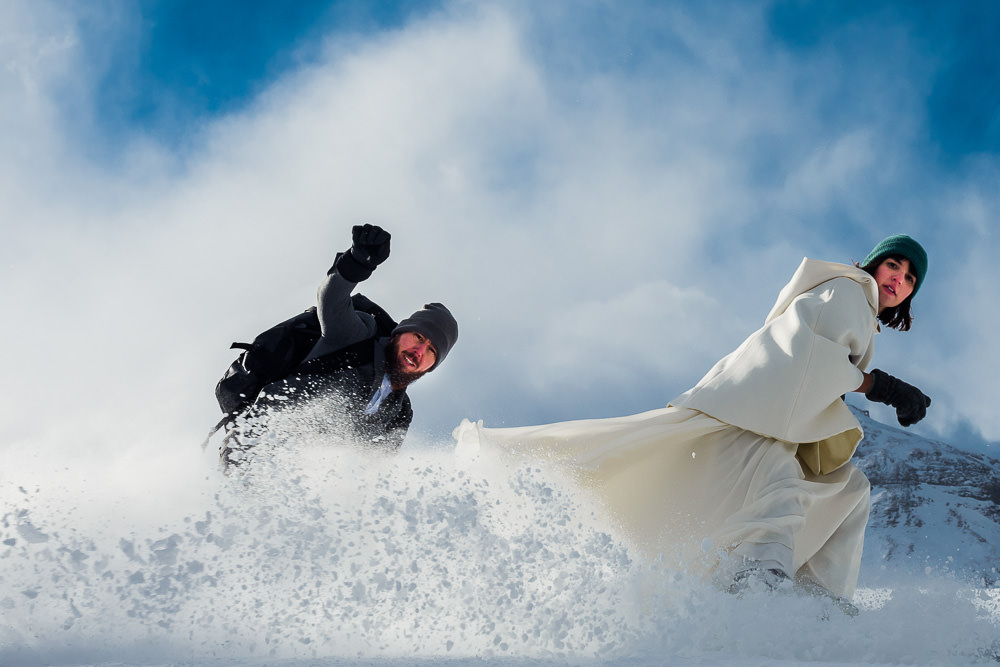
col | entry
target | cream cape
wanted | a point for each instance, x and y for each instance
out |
(700, 494)
(692, 486)
(786, 381)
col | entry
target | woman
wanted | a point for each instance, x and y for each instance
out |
(747, 475)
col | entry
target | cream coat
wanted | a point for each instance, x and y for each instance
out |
(716, 479)
(786, 380)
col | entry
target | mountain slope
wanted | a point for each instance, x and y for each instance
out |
(935, 508)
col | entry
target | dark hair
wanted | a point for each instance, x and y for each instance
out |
(897, 317)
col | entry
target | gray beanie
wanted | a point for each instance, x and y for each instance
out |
(437, 323)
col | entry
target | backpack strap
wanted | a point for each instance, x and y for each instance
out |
(225, 421)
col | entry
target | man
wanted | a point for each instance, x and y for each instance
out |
(354, 375)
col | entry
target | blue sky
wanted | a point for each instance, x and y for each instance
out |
(183, 62)
(609, 195)
(186, 61)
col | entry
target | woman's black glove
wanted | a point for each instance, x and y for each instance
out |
(370, 248)
(911, 404)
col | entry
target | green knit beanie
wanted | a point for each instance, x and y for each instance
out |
(901, 244)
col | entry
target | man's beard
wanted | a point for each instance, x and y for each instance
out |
(398, 376)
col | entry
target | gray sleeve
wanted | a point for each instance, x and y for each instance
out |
(340, 323)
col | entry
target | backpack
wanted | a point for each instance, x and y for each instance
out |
(275, 353)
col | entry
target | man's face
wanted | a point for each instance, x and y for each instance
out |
(415, 352)
(411, 354)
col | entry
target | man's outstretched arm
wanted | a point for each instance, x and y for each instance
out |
(340, 323)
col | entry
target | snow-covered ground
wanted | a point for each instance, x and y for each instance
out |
(346, 558)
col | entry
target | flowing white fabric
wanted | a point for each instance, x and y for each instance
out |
(690, 488)
(752, 462)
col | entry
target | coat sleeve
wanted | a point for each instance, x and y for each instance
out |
(787, 379)
(340, 323)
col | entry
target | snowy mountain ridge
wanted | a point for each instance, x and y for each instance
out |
(935, 507)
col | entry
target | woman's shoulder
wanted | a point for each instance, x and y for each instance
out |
(813, 273)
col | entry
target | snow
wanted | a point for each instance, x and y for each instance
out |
(341, 557)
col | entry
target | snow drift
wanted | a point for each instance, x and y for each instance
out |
(333, 553)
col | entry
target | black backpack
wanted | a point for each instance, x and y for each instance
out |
(275, 353)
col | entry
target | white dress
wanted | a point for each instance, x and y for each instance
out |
(717, 473)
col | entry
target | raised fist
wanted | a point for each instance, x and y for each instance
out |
(370, 248)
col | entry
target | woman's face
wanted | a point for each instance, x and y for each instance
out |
(895, 282)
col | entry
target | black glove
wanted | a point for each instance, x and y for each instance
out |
(371, 248)
(911, 404)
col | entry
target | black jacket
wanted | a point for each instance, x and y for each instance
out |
(344, 382)
(334, 385)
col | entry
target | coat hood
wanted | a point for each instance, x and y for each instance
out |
(813, 272)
